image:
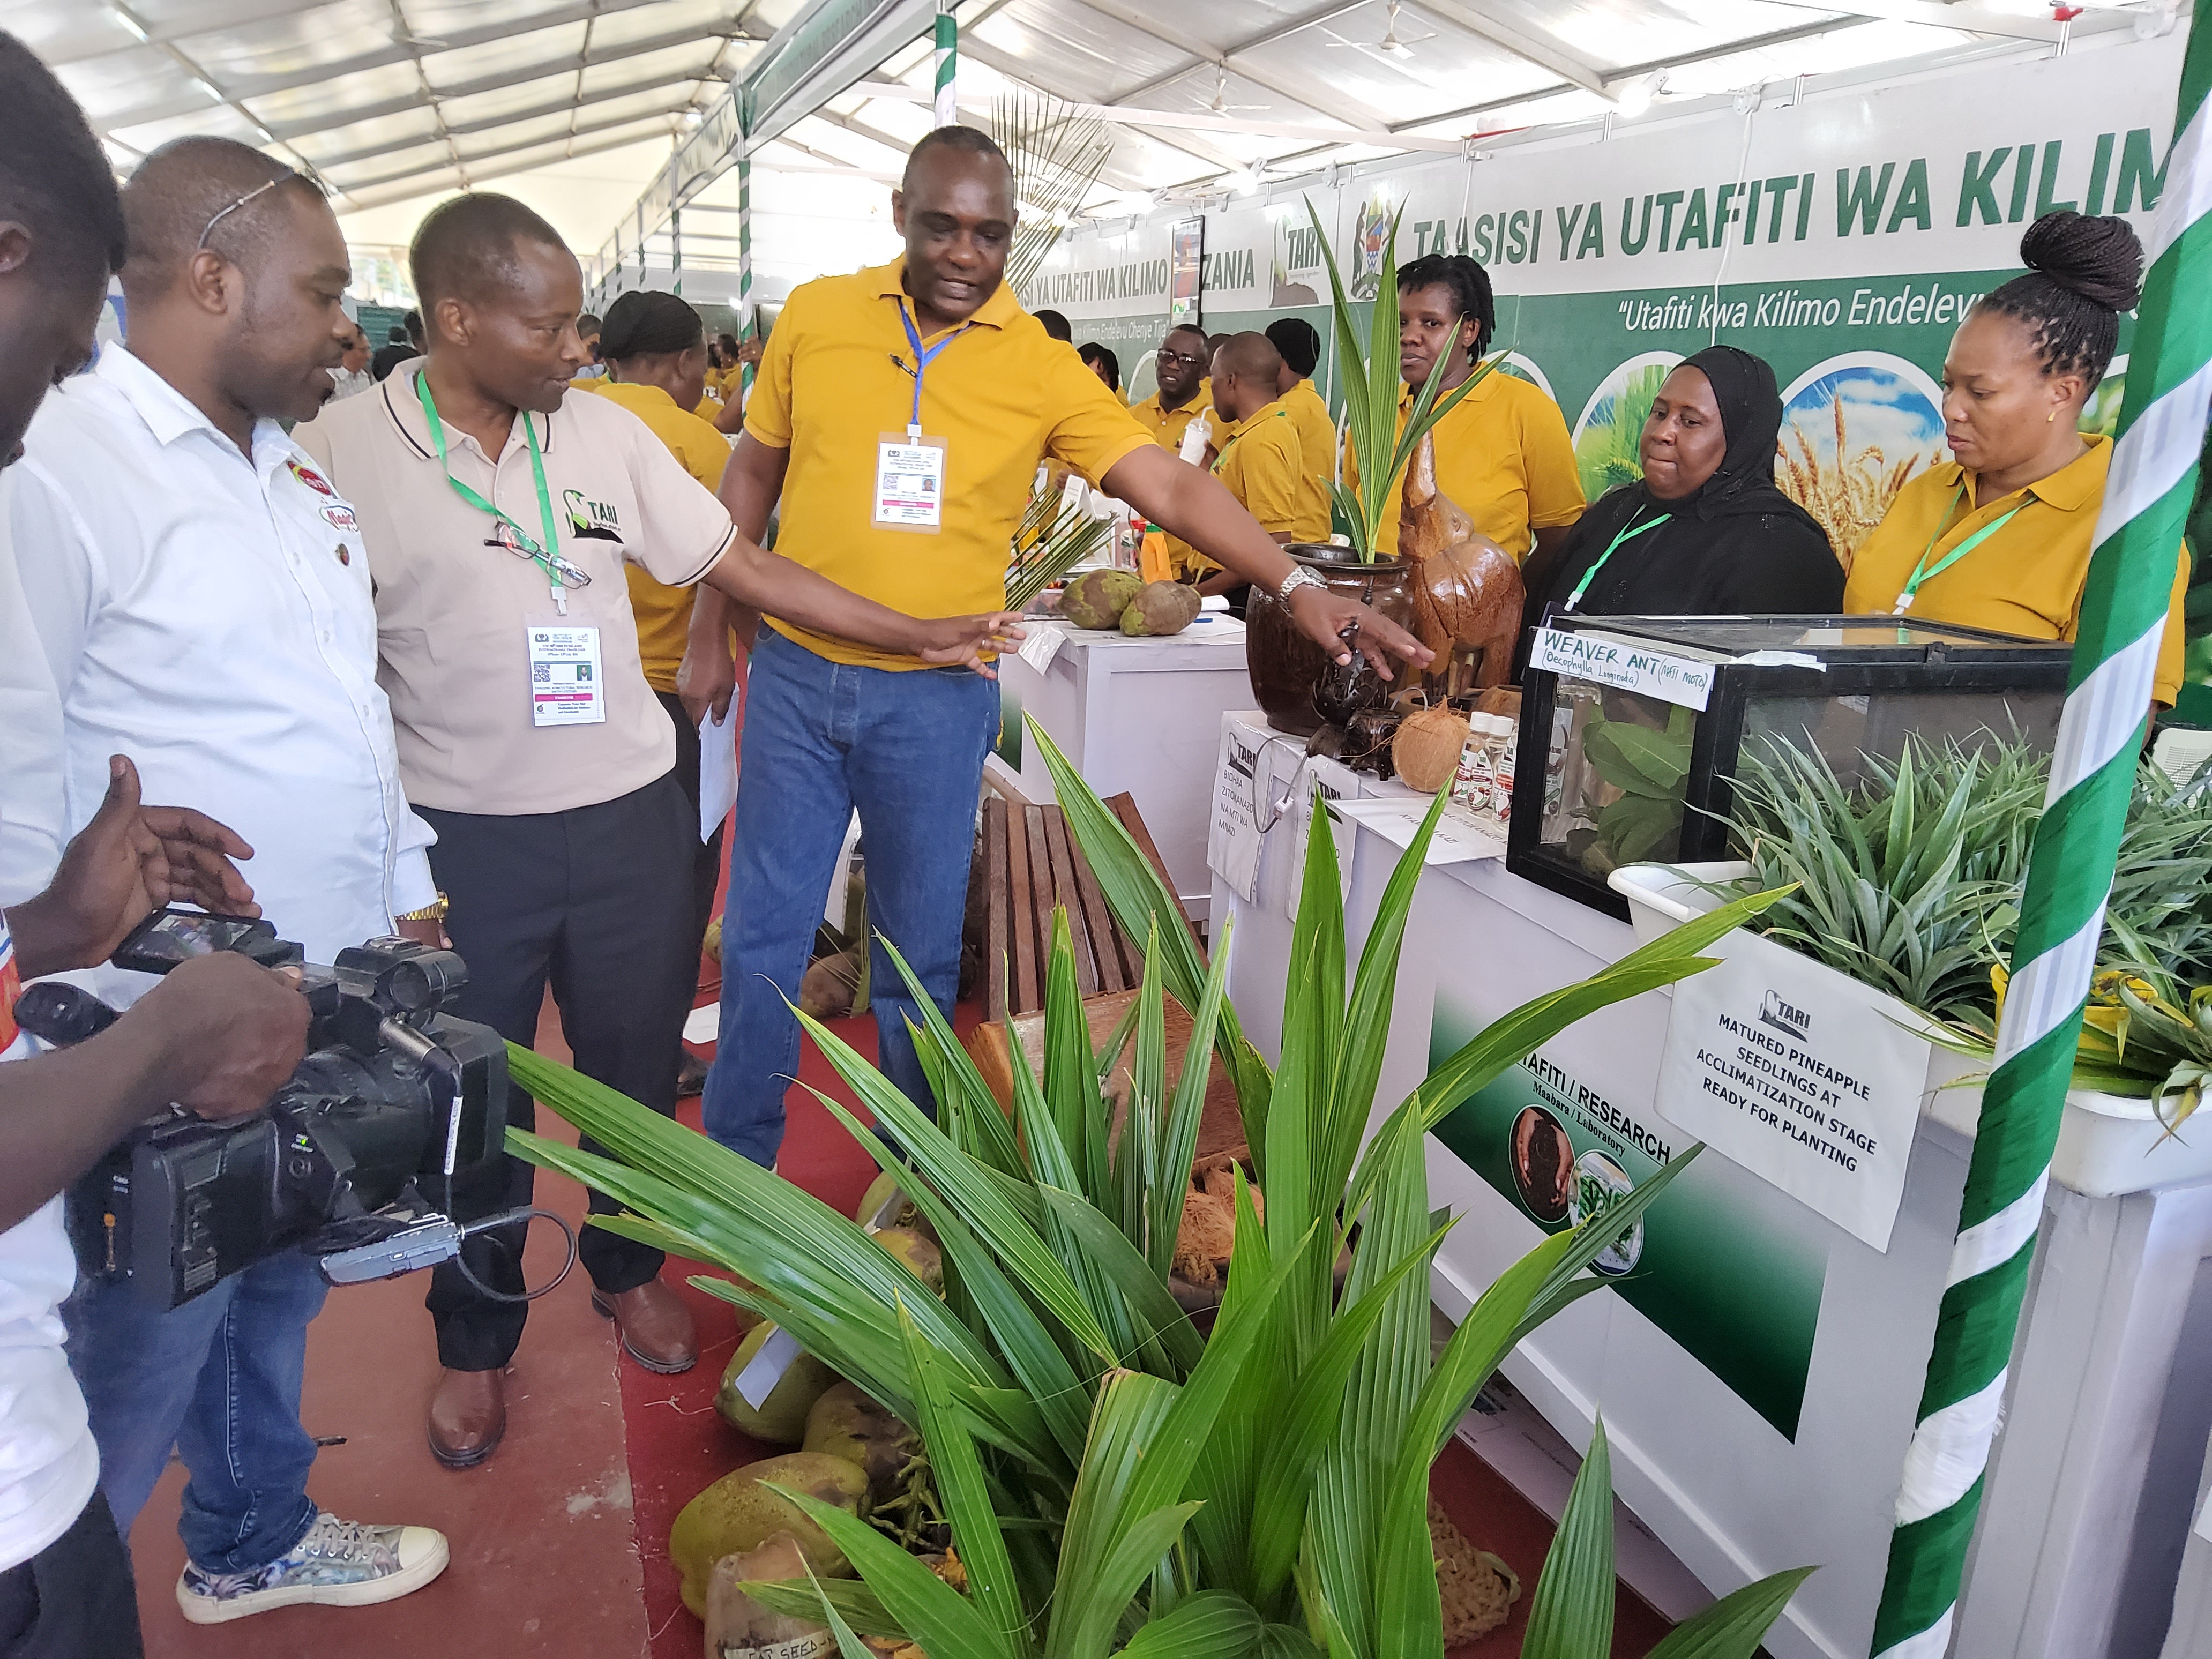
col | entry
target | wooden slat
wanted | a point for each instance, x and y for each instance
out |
(1040, 900)
(1107, 948)
(1022, 984)
(1124, 807)
(1065, 892)
(998, 895)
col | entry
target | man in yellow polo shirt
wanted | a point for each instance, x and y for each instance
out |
(1260, 462)
(900, 416)
(1300, 347)
(1184, 392)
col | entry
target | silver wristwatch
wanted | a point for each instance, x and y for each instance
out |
(1299, 577)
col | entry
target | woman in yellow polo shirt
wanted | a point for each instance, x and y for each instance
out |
(2000, 537)
(1503, 453)
(655, 347)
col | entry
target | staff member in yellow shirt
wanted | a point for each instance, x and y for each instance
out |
(1184, 391)
(1260, 461)
(2000, 537)
(655, 347)
(498, 508)
(1299, 346)
(1503, 454)
(900, 417)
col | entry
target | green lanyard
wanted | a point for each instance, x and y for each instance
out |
(1223, 454)
(1924, 570)
(1629, 533)
(542, 555)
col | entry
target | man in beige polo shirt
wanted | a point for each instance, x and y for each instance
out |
(497, 513)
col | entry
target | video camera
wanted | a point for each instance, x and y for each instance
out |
(355, 1157)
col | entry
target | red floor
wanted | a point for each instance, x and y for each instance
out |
(560, 1540)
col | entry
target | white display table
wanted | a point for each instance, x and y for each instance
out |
(1742, 1295)
(1140, 714)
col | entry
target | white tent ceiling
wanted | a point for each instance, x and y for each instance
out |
(393, 101)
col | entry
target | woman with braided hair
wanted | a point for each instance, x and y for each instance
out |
(2000, 537)
(1503, 454)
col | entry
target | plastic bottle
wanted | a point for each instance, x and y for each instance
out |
(1501, 770)
(1472, 786)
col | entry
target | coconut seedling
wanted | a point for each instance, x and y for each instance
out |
(1108, 1476)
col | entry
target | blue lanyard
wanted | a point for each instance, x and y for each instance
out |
(922, 360)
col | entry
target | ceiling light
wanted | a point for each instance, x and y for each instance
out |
(1635, 97)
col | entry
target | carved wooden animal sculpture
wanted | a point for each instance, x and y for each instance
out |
(1467, 589)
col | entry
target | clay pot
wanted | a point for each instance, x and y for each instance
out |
(1289, 670)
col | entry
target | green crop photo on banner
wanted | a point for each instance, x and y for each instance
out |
(1730, 1267)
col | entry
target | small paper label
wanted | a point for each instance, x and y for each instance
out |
(1624, 667)
(765, 1368)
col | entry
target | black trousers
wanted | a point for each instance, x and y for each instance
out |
(705, 855)
(74, 1598)
(598, 902)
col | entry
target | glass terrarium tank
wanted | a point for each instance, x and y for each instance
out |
(1639, 723)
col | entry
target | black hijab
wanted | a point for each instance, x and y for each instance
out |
(1735, 546)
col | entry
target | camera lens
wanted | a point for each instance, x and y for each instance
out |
(410, 988)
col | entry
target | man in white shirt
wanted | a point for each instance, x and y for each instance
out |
(219, 1041)
(203, 600)
(351, 377)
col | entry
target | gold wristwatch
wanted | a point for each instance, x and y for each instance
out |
(434, 911)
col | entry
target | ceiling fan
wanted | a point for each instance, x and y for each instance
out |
(1220, 105)
(1392, 44)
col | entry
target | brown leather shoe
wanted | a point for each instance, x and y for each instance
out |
(655, 1326)
(468, 1416)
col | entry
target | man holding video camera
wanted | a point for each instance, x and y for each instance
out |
(203, 600)
(216, 1035)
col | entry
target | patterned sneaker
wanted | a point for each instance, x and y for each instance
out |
(339, 1563)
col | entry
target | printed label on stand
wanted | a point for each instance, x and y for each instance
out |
(1232, 845)
(1773, 1063)
(1624, 667)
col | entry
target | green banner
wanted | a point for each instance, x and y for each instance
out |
(1730, 1268)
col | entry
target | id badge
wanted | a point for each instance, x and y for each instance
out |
(566, 687)
(910, 482)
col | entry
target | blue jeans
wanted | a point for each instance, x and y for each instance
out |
(219, 1380)
(821, 739)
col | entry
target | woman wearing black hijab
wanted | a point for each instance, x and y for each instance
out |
(1705, 533)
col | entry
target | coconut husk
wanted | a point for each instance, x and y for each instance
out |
(1208, 1235)
(1478, 1590)
(827, 989)
(739, 1627)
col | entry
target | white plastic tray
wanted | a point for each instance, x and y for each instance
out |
(2108, 1144)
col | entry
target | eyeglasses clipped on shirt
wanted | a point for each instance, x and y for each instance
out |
(569, 575)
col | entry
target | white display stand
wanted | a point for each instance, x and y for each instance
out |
(1140, 714)
(2079, 1512)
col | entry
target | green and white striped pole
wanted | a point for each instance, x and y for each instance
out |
(744, 263)
(2069, 874)
(947, 110)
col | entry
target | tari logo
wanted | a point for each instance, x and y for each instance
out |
(590, 518)
(1785, 1016)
